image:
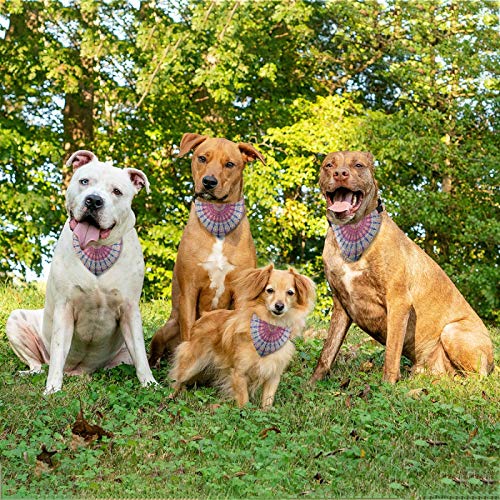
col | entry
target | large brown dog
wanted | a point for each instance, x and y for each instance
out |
(216, 243)
(388, 286)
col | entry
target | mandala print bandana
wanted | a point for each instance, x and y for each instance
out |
(354, 239)
(97, 259)
(219, 218)
(267, 338)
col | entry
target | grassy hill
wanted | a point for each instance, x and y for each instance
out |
(348, 436)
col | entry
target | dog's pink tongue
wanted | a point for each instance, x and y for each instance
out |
(342, 201)
(339, 206)
(86, 233)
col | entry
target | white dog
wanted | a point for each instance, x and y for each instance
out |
(91, 318)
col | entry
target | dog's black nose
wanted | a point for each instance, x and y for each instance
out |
(209, 182)
(279, 306)
(94, 202)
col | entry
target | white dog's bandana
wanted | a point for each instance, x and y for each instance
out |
(354, 239)
(97, 259)
(220, 218)
(267, 338)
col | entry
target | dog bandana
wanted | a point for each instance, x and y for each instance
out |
(267, 338)
(354, 239)
(97, 259)
(220, 218)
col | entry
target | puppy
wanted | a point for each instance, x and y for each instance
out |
(216, 243)
(91, 318)
(252, 345)
(385, 283)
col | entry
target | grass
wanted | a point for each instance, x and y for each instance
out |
(349, 436)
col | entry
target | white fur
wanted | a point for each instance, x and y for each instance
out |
(89, 322)
(217, 267)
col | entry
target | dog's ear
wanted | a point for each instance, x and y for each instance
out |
(249, 153)
(251, 284)
(305, 288)
(80, 158)
(190, 141)
(369, 156)
(138, 179)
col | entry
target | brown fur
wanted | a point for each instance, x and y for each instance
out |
(395, 292)
(221, 343)
(192, 287)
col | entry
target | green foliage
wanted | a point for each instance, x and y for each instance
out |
(349, 436)
(413, 82)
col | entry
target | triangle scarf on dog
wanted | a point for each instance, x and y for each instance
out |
(220, 218)
(97, 259)
(267, 338)
(354, 239)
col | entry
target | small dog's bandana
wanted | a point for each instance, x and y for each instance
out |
(219, 218)
(97, 259)
(267, 338)
(354, 239)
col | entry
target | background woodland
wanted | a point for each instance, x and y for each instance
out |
(414, 82)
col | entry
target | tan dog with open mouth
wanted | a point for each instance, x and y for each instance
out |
(389, 286)
(216, 244)
(252, 345)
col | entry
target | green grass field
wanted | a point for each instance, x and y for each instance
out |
(349, 436)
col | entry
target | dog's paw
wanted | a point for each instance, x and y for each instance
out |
(150, 382)
(32, 371)
(51, 390)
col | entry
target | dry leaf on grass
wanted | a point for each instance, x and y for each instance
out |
(416, 393)
(265, 432)
(45, 456)
(88, 431)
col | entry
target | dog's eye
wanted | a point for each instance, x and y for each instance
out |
(229, 164)
(290, 292)
(84, 182)
(202, 159)
(328, 165)
(117, 192)
(270, 289)
(359, 165)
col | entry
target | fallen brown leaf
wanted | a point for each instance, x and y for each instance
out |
(416, 393)
(344, 384)
(366, 366)
(265, 432)
(436, 443)
(364, 393)
(88, 431)
(45, 456)
(473, 434)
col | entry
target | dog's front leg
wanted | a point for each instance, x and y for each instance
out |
(268, 391)
(63, 325)
(339, 324)
(398, 314)
(187, 313)
(240, 387)
(131, 328)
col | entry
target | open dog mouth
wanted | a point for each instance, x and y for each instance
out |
(87, 229)
(343, 202)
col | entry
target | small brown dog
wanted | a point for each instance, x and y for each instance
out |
(216, 243)
(250, 346)
(388, 286)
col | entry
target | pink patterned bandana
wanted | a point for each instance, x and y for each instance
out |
(97, 259)
(267, 338)
(354, 239)
(219, 218)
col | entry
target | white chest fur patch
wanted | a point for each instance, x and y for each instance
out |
(348, 278)
(217, 267)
